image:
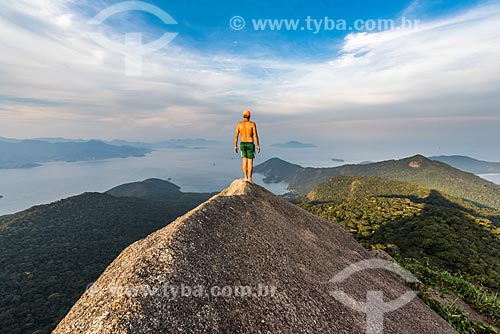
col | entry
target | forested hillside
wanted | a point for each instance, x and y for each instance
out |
(414, 222)
(50, 253)
(417, 170)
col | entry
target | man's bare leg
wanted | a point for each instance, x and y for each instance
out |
(244, 165)
(250, 170)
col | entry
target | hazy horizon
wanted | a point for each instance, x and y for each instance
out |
(361, 153)
(431, 88)
(206, 170)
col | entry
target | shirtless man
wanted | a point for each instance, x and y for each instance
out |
(248, 132)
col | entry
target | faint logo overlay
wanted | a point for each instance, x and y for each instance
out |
(177, 291)
(374, 307)
(133, 49)
(316, 25)
(237, 23)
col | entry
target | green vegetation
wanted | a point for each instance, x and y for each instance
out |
(417, 170)
(441, 290)
(459, 242)
(50, 253)
(413, 222)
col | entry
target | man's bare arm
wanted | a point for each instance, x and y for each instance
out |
(236, 133)
(256, 137)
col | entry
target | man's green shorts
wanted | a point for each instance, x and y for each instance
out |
(247, 149)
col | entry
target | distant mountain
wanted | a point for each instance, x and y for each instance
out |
(9, 140)
(293, 144)
(417, 169)
(338, 160)
(119, 142)
(50, 253)
(412, 221)
(182, 143)
(155, 189)
(61, 140)
(469, 164)
(170, 143)
(31, 153)
(147, 189)
(276, 170)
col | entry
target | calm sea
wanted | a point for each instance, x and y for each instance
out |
(199, 170)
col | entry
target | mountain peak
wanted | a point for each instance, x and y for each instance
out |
(419, 157)
(245, 261)
(153, 188)
(237, 187)
(242, 187)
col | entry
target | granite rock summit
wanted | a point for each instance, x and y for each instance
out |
(245, 261)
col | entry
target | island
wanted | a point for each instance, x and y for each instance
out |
(32, 153)
(293, 144)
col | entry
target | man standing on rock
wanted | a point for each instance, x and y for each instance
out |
(248, 132)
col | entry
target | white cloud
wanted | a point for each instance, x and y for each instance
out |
(64, 20)
(442, 59)
(446, 67)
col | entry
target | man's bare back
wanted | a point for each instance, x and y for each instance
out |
(247, 129)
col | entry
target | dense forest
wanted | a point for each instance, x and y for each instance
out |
(413, 222)
(50, 253)
(451, 245)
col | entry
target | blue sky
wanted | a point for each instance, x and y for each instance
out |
(203, 25)
(432, 88)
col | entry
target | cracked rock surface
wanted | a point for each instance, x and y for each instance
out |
(245, 261)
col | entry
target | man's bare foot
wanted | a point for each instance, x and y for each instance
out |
(249, 180)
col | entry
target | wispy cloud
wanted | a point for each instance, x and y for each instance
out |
(447, 67)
